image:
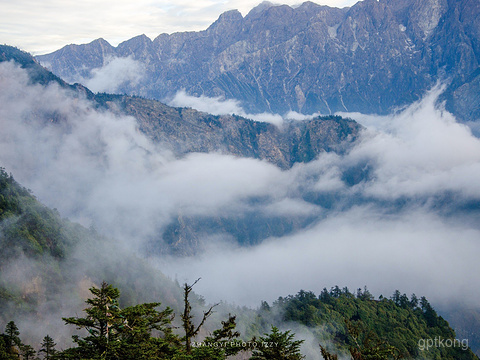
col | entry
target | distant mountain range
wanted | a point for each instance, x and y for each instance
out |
(373, 57)
(376, 78)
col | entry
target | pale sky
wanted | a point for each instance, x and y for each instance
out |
(43, 26)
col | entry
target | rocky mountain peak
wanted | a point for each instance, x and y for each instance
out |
(426, 14)
(227, 21)
(137, 46)
(260, 8)
(372, 57)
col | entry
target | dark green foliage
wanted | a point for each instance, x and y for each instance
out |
(187, 318)
(226, 339)
(28, 352)
(30, 230)
(142, 332)
(100, 324)
(10, 343)
(386, 327)
(326, 354)
(48, 348)
(28, 227)
(366, 345)
(113, 333)
(222, 343)
(12, 335)
(277, 345)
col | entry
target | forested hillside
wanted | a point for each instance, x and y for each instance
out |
(31, 231)
(350, 326)
(398, 326)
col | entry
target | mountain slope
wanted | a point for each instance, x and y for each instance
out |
(372, 58)
(185, 130)
(359, 321)
(120, 268)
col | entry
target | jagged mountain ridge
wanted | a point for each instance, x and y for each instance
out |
(185, 130)
(373, 57)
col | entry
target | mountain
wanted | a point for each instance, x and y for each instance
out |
(179, 129)
(373, 57)
(360, 321)
(185, 130)
(38, 74)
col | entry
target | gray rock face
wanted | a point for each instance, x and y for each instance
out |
(185, 130)
(373, 57)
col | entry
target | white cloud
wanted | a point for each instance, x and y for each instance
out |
(413, 252)
(219, 106)
(418, 155)
(420, 151)
(116, 72)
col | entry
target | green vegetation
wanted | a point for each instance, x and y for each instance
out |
(277, 345)
(37, 238)
(371, 330)
(30, 228)
(135, 332)
(364, 328)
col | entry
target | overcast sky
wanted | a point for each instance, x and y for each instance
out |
(44, 26)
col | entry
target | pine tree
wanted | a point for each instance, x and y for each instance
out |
(101, 324)
(125, 334)
(135, 333)
(12, 338)
(188, 326)
(277, 346)
(48, 347)
(28, 352)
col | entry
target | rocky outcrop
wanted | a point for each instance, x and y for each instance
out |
(185, 130)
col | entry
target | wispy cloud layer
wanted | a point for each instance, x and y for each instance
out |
(219, 106)
(116, 73)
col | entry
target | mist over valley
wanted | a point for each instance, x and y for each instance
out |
(153, 164)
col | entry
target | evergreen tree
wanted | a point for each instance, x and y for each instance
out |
(367, 346)
(125, 334)
(28, 352)
(135, 333)
(327, 355)
(226, 338)
(277, 346)
(48, 348)
(100, 323)
(12, 338)
(188, 326)
(413, 301)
